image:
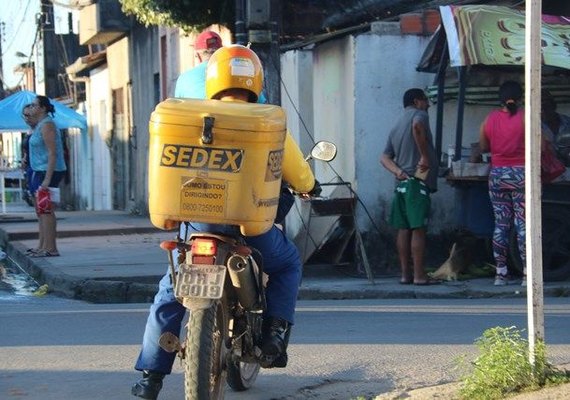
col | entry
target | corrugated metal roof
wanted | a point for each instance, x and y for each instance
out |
(313, 21)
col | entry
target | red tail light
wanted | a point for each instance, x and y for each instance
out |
(204, 247)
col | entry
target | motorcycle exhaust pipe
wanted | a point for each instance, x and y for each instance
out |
(241, 273)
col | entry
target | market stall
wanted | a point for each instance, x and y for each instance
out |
(476, 49)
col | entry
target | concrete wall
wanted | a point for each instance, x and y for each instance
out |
(381, 65)
(120, 121)
(81, 161)
(144, 71)
(357, 86)
(118, 60)
(297, 100)
(317, 94)
(385, 65)
(334, 105)
(169, 71)
(99, 99)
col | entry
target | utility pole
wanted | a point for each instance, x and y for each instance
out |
(2, 93)
(49, 54)
(258, 22)
(533, 68)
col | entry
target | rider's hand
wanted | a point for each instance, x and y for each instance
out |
(315, 191)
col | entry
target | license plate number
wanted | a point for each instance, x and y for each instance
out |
(200, 281)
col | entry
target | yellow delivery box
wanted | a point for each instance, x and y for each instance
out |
(217, 162)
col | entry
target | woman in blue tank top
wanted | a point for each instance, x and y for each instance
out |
(48, 166)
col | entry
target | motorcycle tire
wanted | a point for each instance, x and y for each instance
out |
(205, 353)
(241, 376)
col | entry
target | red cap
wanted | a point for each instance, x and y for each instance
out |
(208, 40)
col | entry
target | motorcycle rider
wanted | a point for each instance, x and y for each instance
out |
(234, 73)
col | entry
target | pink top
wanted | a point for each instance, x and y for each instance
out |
(506, 138)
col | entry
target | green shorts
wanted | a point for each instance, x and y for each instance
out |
(411, 205)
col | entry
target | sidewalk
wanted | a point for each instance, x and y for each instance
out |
(114, 257)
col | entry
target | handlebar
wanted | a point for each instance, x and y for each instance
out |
(317, 196)
(314, 193)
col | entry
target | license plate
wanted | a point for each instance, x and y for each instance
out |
(200, 281)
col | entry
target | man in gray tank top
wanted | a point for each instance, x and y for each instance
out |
(410, 155)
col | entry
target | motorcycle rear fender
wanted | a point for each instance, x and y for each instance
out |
(194, 304)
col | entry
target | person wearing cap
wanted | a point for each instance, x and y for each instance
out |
(281, 260)
(191, 83)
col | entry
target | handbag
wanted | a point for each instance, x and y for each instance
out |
(550, 166)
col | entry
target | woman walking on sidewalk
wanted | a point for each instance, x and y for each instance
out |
(48, 165)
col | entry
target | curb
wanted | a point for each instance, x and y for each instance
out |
(16, 236)
(139, 290)
(91, 290)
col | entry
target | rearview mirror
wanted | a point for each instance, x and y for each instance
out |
(324, 151)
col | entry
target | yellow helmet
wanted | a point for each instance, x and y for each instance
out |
(234, 67)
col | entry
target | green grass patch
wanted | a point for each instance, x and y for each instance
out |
(503, 367)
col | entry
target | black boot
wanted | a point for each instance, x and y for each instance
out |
(149, 386)
(276, 332)
(280, 361)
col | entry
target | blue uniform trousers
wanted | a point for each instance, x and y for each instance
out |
(281, 262)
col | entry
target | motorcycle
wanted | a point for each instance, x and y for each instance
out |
(219, 280)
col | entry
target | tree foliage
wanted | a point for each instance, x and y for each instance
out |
(190, 15)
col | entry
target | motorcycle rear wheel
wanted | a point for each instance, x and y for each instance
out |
(205, 353)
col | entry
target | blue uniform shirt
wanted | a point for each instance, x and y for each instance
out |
(192, 84)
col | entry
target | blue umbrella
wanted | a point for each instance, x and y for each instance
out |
(11, 113)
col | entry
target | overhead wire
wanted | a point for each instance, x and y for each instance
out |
(36, 36)
(65, 82)
(15, 36)
(14, 39)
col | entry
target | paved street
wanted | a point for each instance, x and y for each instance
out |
(65, 349)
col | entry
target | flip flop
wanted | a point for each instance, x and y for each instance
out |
(406, 281)
(44, 253)
(31, 250)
